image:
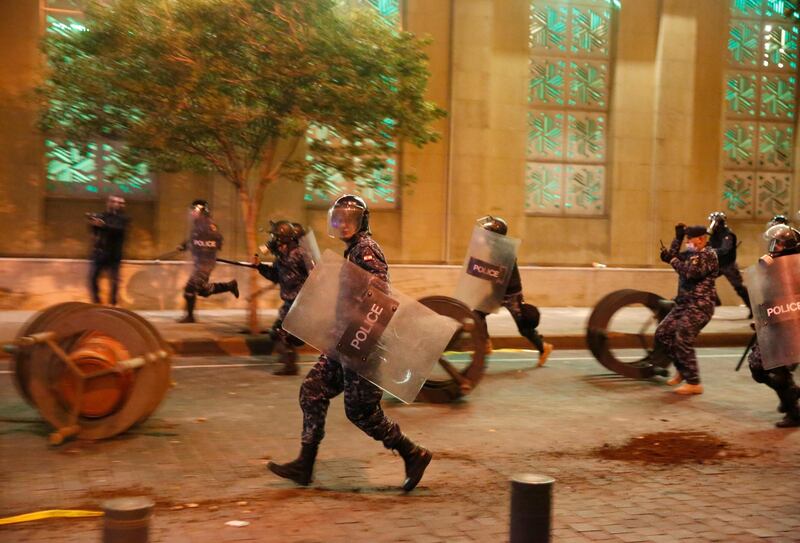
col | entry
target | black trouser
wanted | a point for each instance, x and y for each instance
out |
(779, 379)
(362, 403)
(95, 269)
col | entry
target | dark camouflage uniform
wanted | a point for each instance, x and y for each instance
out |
(723, 241)
(327, 379)
(204, 242)
(525, 315)
(779, 379)
(289, 272)
(694, 307)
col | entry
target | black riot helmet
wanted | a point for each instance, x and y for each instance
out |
(202, 207)
(778, 219)
(299, 231)
(493, 224)
(782, 240)
(348, 216)
(281, 233)
(716, 220)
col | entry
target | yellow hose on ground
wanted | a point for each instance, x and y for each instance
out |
(50, 513)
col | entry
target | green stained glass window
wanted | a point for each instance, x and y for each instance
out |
(779, 8)
(739, 144)
(543, 187)
(773, 195)
(69, 163)
(744, 43)
(760, 95)
(547, 82)
(380, 188)
(741, 93)
(548, 27)
(585, 189)
(545, 135)
(775, 142)
(96, 169)
(586, 137)
(746, 8)
(778, 96)
(588, 84)
(780, 46)
(590, 30)
(570, 71)
(737, 194)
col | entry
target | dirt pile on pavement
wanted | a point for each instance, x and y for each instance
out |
(669, 448)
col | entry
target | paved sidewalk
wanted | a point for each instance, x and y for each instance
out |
(221, 331)
(202, 458)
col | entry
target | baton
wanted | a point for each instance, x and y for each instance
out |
(166, 255)
(235, 263)
(747, 350)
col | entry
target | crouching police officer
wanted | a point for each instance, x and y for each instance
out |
(348, 220)
(697, 269)
(783, 241)
(289, 271)
(526, 316)
(204, 242)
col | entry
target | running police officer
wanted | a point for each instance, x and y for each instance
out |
(348, 220)
(723, 241)
(783, 241)
(289, 271)
(204, 242)
(697, 268)
(108, 235)
(526, 316)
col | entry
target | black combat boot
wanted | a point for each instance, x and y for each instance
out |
(189, 317)
(233, 287)
(416, 459)
(289, 360)
(300, 469)
(790, 420)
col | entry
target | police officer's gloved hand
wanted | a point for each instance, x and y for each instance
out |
(666, 255)
(680, 230)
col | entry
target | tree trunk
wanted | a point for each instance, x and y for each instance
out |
(250, 211)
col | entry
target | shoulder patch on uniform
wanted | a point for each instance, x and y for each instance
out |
(213, 227)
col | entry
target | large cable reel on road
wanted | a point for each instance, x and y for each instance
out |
(92, 371)
(604, 337)
(470, 340)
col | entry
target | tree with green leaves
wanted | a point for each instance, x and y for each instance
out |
(253, 90)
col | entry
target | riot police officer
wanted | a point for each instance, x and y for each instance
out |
(348, 220)
(289, 271)
(697, 269)
(108, 235)
(204, 242)
(526, 316)
(723, 241)
(783, 240)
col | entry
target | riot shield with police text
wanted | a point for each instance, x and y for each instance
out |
(487, 270)
(774, 289)
(310, 249)
(369, 327)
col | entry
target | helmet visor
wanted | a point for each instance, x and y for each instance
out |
(344, 222)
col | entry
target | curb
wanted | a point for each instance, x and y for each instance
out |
(259, 345)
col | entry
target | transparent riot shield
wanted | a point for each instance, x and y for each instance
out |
(775, 298)
(383, 335)
(487, 270)
(310, 249)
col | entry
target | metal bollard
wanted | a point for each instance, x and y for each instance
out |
(127, 520)
(531, 508)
